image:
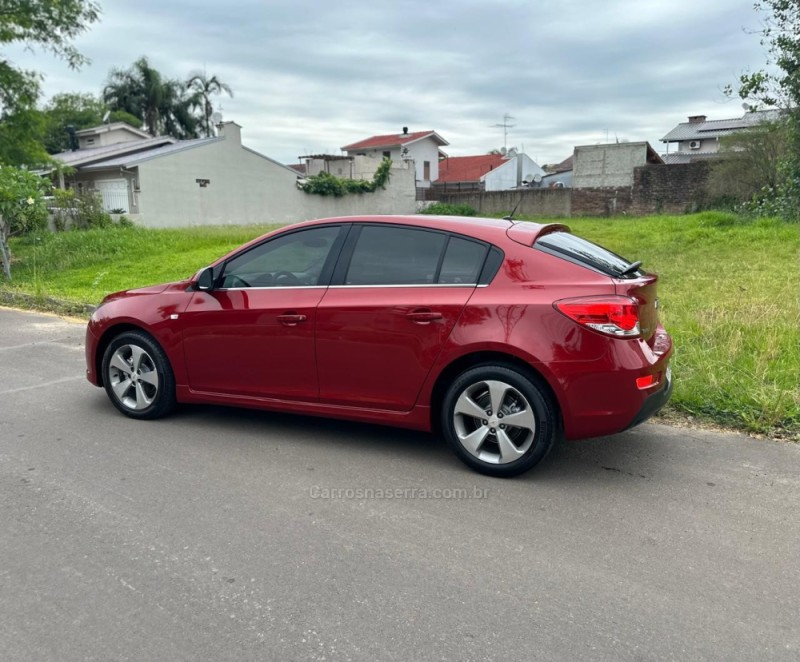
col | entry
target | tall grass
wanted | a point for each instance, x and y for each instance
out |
(728, 289)
(84, 266)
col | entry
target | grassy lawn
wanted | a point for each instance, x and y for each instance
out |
(729, 294)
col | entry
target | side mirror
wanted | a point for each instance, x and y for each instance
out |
(205, 280)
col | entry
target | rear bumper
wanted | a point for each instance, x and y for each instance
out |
(603, 397)
(654, 403)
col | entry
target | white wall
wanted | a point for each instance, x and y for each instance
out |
(105, 137)
(706, 145)
(246, 188)
(504, 177)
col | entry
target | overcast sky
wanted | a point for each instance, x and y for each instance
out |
(311, 76)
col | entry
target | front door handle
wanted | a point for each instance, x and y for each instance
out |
(290, 319)
(423, 316)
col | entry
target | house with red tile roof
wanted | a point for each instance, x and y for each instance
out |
(465, 172)
(421, 147)
(487, 172)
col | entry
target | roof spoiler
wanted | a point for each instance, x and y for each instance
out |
(526, 233)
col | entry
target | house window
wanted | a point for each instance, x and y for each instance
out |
(426, 170)
(387, 155)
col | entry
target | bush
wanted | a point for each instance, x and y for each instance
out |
(443, 209)
(79, 211)
(22, 208)
(327, 184)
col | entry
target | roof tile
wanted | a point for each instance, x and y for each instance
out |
(467, 168)
(393, 140)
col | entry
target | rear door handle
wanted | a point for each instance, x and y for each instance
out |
(423, 316)
(290, 319)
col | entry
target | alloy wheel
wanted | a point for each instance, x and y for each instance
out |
(494, 422)
(133, 377)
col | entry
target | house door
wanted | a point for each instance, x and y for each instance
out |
(114, 193)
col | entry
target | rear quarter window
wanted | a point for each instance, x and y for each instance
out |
(462, 262)
(586, 253)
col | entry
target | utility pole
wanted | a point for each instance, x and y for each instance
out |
(505, 126)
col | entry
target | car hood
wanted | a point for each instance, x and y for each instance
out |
(147, 291)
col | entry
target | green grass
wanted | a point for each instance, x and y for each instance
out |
(82, 267)
(728, 288)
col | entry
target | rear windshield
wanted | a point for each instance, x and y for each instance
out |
(583, 252)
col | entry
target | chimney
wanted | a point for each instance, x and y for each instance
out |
(230, 131)
(405, 130)
(73, 139)
(696, 119)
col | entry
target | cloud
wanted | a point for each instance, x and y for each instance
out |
(311, 76)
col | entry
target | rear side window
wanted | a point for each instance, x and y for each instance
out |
(583, 252)
(462, 262)
(395, 256)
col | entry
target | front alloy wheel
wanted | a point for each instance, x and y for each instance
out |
(498, 421)
(137, 376)
(133, 377)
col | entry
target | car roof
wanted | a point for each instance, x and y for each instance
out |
(491, 230)
(488, 229)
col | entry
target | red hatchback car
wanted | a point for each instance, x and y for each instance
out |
(502, 335)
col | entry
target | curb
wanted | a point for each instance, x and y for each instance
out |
(46, 304)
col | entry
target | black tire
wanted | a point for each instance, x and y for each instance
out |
(522, 401)
(138, 377)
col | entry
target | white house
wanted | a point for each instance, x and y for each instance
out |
(516, 170)
(699, 137)
(421, 147)
(109, 134)
(487, 172)
(163, 182)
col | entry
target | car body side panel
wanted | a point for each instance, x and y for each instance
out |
(370, 353)
(235, 342)
(418, 418)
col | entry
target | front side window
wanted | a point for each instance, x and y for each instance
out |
(292, 260)
(395, 256)
(426, 170)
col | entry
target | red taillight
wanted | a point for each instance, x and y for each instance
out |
(612, 315)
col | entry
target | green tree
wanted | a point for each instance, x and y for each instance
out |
(751, 164)
(179, 111)
(21, 137)
(51, 26)
(779, 86)
(163, 105)
(22, 208)
(205, 86)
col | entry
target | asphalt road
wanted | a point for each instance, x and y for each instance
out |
(221, 534)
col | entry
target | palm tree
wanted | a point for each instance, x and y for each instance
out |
(204, 86)
(162, 104)
(178, 111)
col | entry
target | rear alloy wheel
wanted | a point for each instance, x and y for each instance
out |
(138, 377)
(498, 421)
